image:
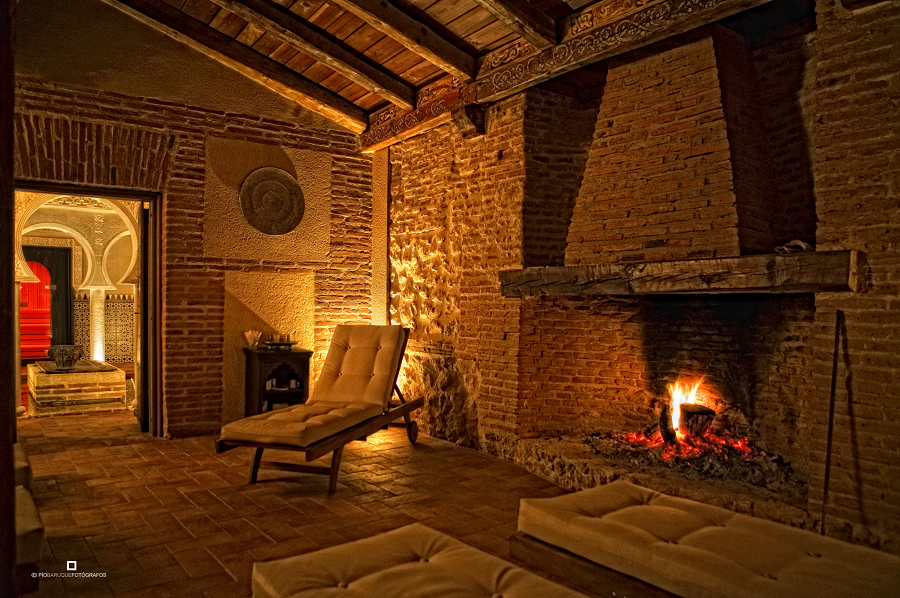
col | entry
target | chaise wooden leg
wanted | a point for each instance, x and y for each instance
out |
(257, 457)
(335, 467)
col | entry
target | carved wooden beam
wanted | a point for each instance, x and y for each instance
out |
(283, 24)
(469, 120)
(596, 33)
(413, 34)
(247, 61)
(826, 271)
(523, 18)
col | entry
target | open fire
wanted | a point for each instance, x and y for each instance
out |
(684, 427)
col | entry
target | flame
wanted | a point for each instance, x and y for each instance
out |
(680, 395)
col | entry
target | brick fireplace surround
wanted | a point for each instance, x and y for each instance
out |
(697, 147)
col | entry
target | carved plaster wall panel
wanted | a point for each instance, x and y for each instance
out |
(77, 258)
(119, 334)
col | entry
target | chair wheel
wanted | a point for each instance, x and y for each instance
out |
(412, 431)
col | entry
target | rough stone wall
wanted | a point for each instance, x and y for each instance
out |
(456, 220)
(87, 137)
(857, 185)
(558, 134)
(658, 183)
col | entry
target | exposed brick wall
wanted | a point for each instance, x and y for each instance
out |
(857, 185)
(558, 134)
(658, 183)
(786, 71)
(748, 142)
(86, 137)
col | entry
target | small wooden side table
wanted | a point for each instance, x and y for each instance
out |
(275, 376)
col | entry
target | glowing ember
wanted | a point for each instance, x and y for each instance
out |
(680, 395)
(694, 446)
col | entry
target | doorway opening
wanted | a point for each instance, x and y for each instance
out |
(87, 263)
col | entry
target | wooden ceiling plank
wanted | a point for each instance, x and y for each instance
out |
(228, 23)
(413, 34)
(526, 20)
(306, 8)
(202, 10)
(222, 48)
(282, 24)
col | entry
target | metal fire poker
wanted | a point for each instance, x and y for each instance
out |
(838, 321)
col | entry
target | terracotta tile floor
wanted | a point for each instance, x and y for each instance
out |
(172, 518)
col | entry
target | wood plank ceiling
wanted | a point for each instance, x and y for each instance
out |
(375, 63)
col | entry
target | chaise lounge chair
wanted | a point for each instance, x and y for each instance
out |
(352, 400)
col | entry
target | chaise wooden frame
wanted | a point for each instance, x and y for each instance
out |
(335, 443)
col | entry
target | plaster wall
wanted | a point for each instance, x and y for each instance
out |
(268, 302)
(227, 232)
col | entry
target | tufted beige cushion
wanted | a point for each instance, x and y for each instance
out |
(29, 529)
(361, 365)
(700, 551)
(300, 425)
(355, 385)
(410, 562)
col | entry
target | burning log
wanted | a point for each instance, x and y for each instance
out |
(666, 429)
(695, 419)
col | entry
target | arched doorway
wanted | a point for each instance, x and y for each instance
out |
(34, 314)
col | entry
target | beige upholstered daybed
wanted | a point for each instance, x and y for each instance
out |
(351, 400)
(410, 562)
(690, 549)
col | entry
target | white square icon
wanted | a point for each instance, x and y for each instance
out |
(71, 565)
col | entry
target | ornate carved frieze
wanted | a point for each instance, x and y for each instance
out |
(84, 203)
(437, 89)
(77, 261)
(599, 32)
(407, 122)
(603, 13)
(623, 28)
(509, 53)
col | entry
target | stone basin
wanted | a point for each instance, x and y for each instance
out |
(88, 386)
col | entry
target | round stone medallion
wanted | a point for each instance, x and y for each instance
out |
(272, 201)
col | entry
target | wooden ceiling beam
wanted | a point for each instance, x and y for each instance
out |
(523, 18)
(317, 44)
(247, 61)
(589, 36)
(415, 35)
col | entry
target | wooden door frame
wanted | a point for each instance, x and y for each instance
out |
(150, 247)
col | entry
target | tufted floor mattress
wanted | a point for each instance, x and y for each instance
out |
(700, 551)
(410, 562)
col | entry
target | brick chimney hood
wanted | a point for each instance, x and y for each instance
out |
(824, 271)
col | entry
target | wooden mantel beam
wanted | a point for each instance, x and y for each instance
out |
(522, 17)
(283, 24)
(823, 271)
(598, 32)
(415, 35)
(247, 61)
